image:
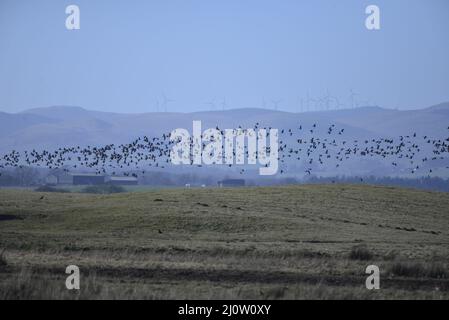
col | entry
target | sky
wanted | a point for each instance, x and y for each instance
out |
(194, 55)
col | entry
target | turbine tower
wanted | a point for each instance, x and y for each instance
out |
(165, 102)
(352, 100)
(327, 100)
(264, 103)
(338, 104)
(308, 101)
(276, 103)
(224, 104)
(157, 104)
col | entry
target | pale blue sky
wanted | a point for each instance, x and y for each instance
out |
(128, 54)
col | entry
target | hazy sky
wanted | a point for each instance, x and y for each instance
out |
(129, 54)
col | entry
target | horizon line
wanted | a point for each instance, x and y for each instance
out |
(224, 110)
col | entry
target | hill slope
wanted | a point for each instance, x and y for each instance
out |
(47, 127)
(60, 126)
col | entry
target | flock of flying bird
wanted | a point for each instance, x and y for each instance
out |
(298, 145)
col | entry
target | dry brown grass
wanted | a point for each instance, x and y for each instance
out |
(3, 262)
(252, 243)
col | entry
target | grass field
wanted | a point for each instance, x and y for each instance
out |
(296, 242)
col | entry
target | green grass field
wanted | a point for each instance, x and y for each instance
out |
(296, 242)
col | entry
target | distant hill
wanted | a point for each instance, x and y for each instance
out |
(58, 126)
(49, 127)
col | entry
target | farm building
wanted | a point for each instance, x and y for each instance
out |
(55, 179)
(232, 183)
(123, 181)
(51, 180)
(65, 178)
(88, 179)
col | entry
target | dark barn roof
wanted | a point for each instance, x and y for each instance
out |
(87, 179)
(123, 180)
(232, 182)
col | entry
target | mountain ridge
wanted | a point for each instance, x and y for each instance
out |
(37, 110)
(48, 127)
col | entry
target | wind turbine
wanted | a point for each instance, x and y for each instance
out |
(264, 103)
(352, 95)
(276, 103)
(157, 104)
(224, 105)
(327, 99)
(308, 100)
(166, 101)
(319, 104)
(338, 104)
